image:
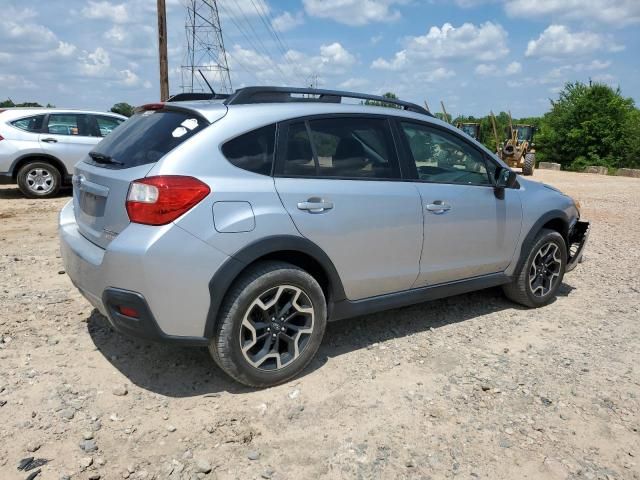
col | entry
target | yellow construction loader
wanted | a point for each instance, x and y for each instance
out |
(518, 151)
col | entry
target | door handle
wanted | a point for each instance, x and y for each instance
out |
(438, 206)
(315, 205)
(50, 140)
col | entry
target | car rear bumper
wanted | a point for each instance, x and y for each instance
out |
(578, 237)
(163, 271)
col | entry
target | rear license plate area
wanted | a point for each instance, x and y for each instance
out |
(92, 205)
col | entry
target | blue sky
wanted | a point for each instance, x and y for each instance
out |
(475, 55)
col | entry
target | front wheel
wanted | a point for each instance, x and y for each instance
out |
(540, 276)
(39, 180)
(270, 326)
(529, 164)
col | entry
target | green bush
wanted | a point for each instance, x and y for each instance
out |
(590, 125)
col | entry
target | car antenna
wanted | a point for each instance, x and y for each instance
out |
(208, 84)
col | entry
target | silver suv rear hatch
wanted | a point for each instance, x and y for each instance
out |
(101, 180)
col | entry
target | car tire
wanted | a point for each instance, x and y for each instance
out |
(39, 179)
(529, 164)
(270, 297)
(536, 282)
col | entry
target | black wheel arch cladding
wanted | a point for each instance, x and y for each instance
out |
(266, 247)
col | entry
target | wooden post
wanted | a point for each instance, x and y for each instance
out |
(162, 48)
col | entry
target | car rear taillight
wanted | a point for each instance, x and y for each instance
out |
(128, 311)
(1, 138)
(160, 200)
(150, 106)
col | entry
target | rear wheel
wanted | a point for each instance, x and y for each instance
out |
(38, 180)
(270, 326)
(540, 276)
(529, 164)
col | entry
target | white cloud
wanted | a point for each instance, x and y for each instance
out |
(484, 42)
(513, 68)
(332, 60)
(116, 34)
(614, 12)
(485, 70)
(130, 79)
(17, 30)
(96, 63)
(287, 21)
(435, 75)
(336, 54)
(106, 11)
(398, 62)
(11, 82)
(353, 12)
(65, 49)
(558, 76)
(493, 70)
(558, 41)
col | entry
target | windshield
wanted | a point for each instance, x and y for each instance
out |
(469, 130)
(524, 133)
(146, 137)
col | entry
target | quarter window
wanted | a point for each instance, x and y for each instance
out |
(29, 124)
(107, 124)
(252, 151)
(341, 148)
(442, 158)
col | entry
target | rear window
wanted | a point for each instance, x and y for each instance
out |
(29, 124)
(252, 151)
(147, 136)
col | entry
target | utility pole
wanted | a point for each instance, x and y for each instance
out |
(313, 81)
(162, 50)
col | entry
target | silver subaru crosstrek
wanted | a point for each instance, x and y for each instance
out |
(40, 146)
(245, 223)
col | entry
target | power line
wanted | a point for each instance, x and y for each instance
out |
(267, 21)
(262, 49)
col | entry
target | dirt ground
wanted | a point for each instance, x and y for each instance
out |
(470, 387)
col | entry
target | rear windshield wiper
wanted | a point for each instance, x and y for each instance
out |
(102, 158)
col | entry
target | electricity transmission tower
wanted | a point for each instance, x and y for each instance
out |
(205, 49)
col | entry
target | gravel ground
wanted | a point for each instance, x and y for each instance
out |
(467, 387)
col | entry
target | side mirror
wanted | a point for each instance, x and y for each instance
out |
(505, 178)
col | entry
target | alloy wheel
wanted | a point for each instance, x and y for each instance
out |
(545, 269)
(276, 327)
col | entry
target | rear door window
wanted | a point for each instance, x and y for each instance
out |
(252, 151)
(29, 124)
(343, 147)
(107, 124)
(70, 124)
(148, 136)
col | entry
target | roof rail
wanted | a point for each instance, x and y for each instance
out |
(250, 95)
(190, 96)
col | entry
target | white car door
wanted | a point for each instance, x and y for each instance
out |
(69, 137)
